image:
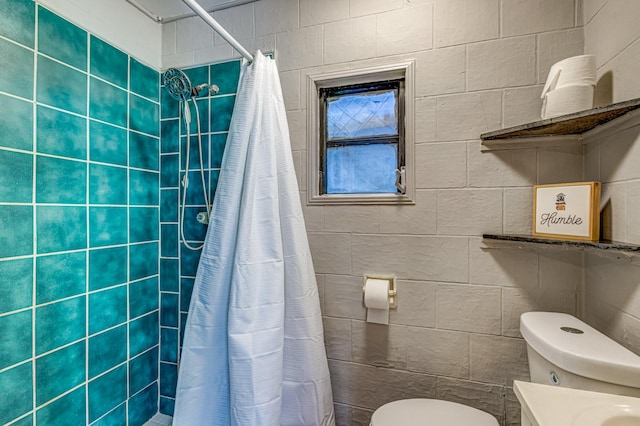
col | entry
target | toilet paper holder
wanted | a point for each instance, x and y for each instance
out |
(393, 302)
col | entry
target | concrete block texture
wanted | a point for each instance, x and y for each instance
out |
(536, 16)
(404, 30)
(350, 40)
(479, 66)
(501, 63)
(465, 21)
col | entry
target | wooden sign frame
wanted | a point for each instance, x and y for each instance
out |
(567, 211)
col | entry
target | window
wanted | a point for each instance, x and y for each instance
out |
(361, 138)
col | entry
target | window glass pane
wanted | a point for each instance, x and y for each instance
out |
(360, 169)
(362, 114)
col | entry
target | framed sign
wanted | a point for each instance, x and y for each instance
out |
(569, 211)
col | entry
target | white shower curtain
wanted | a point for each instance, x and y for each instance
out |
(253, 350)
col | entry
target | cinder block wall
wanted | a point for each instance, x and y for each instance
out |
(611, 285)
(480, 66)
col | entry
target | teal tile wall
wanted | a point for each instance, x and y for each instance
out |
(79, 226)
(178, 264)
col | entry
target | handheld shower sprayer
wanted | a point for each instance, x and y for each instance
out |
(179, 87)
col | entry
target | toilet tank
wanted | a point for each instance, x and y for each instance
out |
(564, 351)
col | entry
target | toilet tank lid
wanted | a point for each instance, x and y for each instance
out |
(589, 354)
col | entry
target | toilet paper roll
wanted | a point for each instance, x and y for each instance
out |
(567, 99)
(376, 300)
(571, 71)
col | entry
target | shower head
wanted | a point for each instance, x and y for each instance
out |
(177, 83)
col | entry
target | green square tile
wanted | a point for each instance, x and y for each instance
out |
(16, 284)
(16, 177)
(25, 421)
(106, 350)
(16, 230)
(169, 240)
(60, 133)
(59, 371)
(193, 230)
(217, 145)
(170, 107)
(108, 103)
(106, 392)
(169, 205)
(168, 379)
(16, 123)
(107, 309)
(169, 310)
(169, 171)
(144, 188)
(117, 417)
(143, 224)
(169, 140)
(16, 72)
(226, 77)
(143, 370)
(189, 260)
(223, 107)
(107, 144)
(61, 228)
(143, 151)
(143, 406)
(169, 275)
(169, 344)
(68, 410)
(60, 323)
(144, 80)
(15, 345)
(107, 226)
(140, 265)
(186, 289)
(61, 86)
(107, 184)
(198, 76)
(61, 39)
(108, 62)
(17, 388)
(143, 297)
(203, 110)
(18, 21)
(60, 181)
(144, 116)
(107, 267)
(167, 405)
(143, 334)
(195, 146)
(60, 276)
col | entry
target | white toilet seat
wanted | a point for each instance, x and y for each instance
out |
(430, 412)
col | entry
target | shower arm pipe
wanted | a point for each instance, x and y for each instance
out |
(193, 4)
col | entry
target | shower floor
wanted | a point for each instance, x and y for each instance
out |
(159, 420)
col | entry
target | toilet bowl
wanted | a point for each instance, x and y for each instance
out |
(430, 412)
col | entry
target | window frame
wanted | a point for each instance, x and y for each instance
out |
(316, 127)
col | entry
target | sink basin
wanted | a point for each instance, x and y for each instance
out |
(609, 415)
(544, 405)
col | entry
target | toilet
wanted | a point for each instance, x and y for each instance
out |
(430, 412)
(564, 351)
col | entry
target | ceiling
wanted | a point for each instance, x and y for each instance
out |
(171, 10)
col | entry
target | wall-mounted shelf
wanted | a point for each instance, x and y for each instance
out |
(631, 249)
(569, 127)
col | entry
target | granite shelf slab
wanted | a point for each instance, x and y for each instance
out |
(565, 125)
(599, 245)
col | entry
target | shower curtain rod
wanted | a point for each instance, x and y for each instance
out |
(193, 4)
